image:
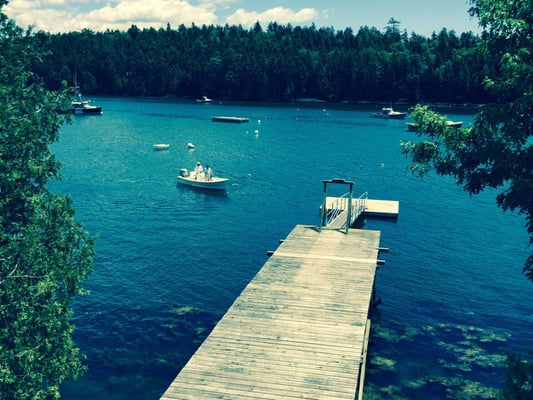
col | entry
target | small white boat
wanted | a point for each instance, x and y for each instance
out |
(454, 124)
(412, 127)
(389, 113)
(190, 145)
(161, 146)
(204, 99)
(201, 181)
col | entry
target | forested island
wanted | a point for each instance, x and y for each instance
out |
(280, 63)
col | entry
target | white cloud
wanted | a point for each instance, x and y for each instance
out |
(279, 14)
(225, 4)
(98, 15)
(53, 3)
(149, 13)
(78, 15)
(26, 13)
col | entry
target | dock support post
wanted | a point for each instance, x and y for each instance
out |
(323, 210)
(349, 215)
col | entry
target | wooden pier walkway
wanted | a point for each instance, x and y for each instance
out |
(298, 330)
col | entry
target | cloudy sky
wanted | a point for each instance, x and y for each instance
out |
(422, 17)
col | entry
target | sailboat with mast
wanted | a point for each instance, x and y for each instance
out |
(79, 105)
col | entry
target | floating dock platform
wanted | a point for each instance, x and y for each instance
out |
(234, 120)
(373, 208)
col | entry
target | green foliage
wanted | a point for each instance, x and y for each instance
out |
(497, 150)
(277, 63)
(44, 253)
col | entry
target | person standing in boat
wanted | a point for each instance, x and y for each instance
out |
(208, 172)
(198, 170)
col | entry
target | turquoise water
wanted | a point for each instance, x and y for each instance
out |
(170, 259)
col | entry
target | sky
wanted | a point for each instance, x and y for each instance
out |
(423, 17)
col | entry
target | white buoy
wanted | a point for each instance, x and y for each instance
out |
(190, 145)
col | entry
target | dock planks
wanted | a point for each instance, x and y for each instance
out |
(297, 330)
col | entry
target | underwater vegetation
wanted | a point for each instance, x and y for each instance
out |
(446, 361)
(130, 347)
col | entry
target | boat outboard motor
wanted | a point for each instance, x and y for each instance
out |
(184, 173)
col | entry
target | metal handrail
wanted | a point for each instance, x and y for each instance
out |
(341, 205)
(359, 206)
(337, 208)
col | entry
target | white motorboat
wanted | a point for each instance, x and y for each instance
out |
(412, 127)
(201, 181)
(389, 113)
(205, 100)
(161, 146)
(454, 124)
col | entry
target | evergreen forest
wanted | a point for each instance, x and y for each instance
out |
(279, 63)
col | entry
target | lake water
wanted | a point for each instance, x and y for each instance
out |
(170, 260)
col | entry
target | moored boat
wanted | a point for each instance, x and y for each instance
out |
(79, 105)
(200, 180)
(205, 100)
(85, 108)
(389, 113)
(411, 126)
(454, 124)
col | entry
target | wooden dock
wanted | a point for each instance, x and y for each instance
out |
(298, 330)
(234, 120)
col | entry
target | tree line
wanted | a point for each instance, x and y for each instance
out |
(280, 63)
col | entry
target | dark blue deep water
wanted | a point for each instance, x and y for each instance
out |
(170, 260)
